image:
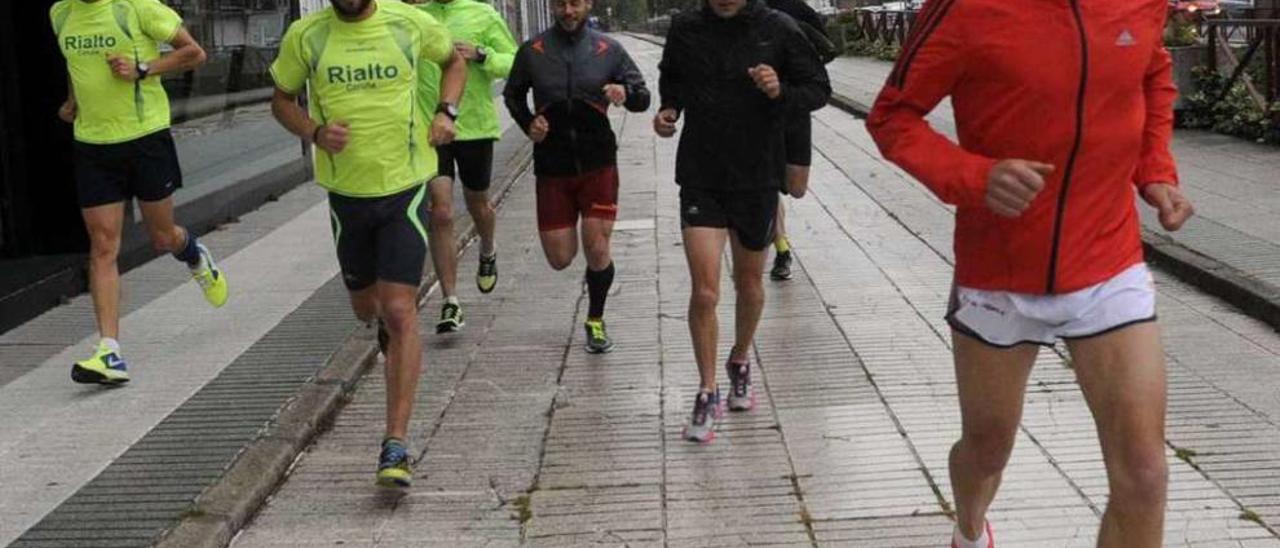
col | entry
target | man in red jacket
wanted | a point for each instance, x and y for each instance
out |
(1063, 109)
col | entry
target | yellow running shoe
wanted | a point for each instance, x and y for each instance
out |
(104, 367)
(487, 274)
(598, 341)
(393, 464)
(210, 278)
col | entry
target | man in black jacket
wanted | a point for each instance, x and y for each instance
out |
(575, 74)
(737, 72)
(799, 137)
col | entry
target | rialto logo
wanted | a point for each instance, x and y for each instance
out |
(366, 76)
(88, 42)
(1126, 39)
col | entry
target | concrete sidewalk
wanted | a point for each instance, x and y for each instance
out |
(523, 439)
(214, 390)
(1230, 249)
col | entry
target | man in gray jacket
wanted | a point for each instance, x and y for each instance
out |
(575, 74)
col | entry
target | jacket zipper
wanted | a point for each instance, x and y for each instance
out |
(1075, 150)
(573, 130)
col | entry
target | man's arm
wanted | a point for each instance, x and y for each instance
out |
(68, 110)
(516, 92)
(453, 78)
(287, 111)
(1157, 173)
(331, 138)
(500, 48)
(670, 81)
(806, 86)
(186, 55)
(1156, 165)
(628, 75)
(897, 121)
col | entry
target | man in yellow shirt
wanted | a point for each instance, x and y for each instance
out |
(481, 37)
(123, 149)
(360, 60)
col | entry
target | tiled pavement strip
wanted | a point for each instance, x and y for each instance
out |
(527, 440)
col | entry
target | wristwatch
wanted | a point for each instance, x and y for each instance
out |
(448, 109)
(143, 69)
(481, 55)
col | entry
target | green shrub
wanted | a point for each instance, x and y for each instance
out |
(1236, 114)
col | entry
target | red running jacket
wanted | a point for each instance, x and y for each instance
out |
(1084, 85)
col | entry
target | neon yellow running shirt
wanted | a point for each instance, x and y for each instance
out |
(112, 110)
(365, 74)
(479, 24)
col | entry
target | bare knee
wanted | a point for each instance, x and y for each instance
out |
(1141, 481)
(597, 252)
(560, 254)
(441, 215)
(478, 203)
(749, 288)
(559, 260)
(400, 317)
(104, 246)
(167, 241)
(704, 297)
(988, 450)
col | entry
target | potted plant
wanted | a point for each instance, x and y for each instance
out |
(1182, 39)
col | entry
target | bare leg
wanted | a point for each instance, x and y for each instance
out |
(104, 224)
(703, 248)
(1122, 375)
(992, 383)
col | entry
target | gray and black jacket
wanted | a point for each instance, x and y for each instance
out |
(567, 73)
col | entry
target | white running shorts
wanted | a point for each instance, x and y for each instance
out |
(1004, 319)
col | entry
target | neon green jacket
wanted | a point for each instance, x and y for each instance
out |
(478, 23)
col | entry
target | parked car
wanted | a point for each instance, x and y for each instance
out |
(1195, 8)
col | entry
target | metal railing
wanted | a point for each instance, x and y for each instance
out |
(885, 26)
(1255, 37)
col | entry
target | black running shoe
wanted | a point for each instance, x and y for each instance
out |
(781, 266)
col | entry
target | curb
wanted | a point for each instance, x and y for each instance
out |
(230, 503)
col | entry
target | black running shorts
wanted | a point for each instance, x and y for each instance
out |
(145, 168)
(470, 161)
(381, 239)
(750, 214)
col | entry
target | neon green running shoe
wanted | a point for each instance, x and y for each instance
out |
(598, 341)
(104, 367)
(393, 464)
(210, 278)
(487, 274)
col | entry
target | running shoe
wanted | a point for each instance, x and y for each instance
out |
(210, 278)
(781, 266)
(104, 367)
(707, 408)
(393, 464)
(451, 319)
(598, 341)
(741, 396)
(487, 274)
(991, 537)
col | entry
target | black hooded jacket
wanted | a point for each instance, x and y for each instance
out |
(567, 73)
(733, 133)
